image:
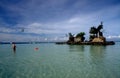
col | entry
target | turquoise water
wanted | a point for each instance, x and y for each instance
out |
(59, 61)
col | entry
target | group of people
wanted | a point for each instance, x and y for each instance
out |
(14, 47)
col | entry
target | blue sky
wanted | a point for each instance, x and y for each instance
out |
(50, 20)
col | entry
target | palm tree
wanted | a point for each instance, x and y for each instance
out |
(99, 33)
(93, 33)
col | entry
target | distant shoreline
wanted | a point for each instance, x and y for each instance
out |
(25, 42)
(35, 42)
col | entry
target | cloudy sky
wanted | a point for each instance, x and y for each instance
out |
(51, 20)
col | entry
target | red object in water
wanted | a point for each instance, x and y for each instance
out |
(36, 48)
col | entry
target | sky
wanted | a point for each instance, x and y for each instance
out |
(51, 20)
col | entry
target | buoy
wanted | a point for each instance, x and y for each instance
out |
(36, 48)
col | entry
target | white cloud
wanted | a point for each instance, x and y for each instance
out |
(112, 37)
(22, 38)
(36, 13)
(7, 30)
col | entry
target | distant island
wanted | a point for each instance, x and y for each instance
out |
(95, 38)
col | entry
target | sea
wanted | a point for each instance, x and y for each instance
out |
(49, 60)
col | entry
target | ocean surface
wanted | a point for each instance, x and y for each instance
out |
(48, 60)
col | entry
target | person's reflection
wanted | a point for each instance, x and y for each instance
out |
(14, 47)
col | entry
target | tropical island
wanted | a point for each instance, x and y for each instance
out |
(95, 38)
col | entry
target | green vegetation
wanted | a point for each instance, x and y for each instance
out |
(95, 32)
(81, 34)
(71, 37)
(79, 37)
(96, 37)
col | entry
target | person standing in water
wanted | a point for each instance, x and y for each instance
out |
(14, 47)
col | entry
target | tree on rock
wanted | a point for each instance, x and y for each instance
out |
(96, 32)
(71, 37)
(99, 33)
(93, 33)
(81, 36)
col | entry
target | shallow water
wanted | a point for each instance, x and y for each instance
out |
(59, 61)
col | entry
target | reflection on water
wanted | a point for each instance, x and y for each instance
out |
(93, 60)
(14, 51)
(59, 61)
(97, 52)
(76, 48)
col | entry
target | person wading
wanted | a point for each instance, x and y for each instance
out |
(14, 47)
